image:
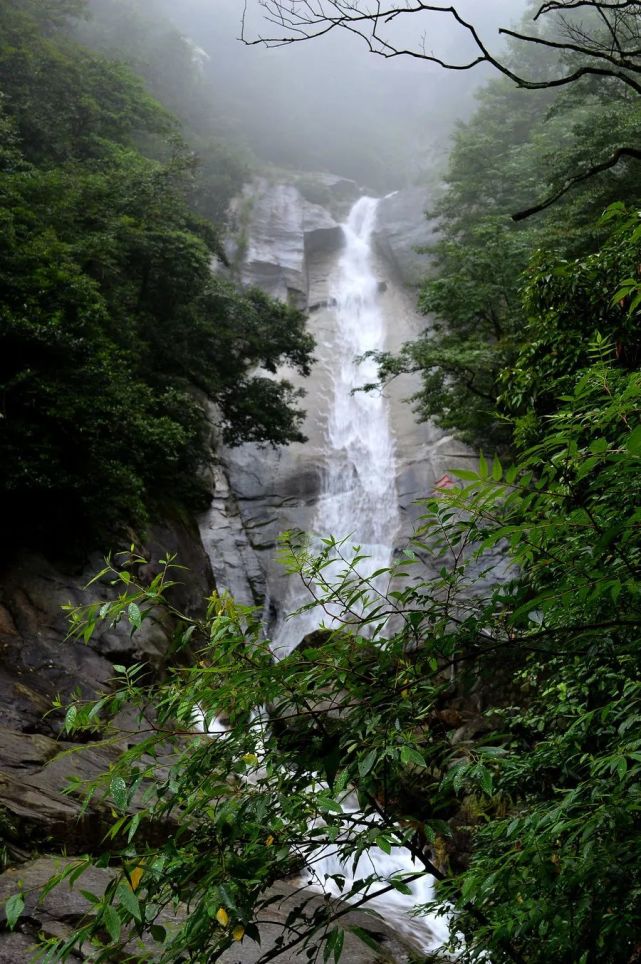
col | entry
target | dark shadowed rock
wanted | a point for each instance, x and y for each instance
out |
(64, 908)
(38, 662)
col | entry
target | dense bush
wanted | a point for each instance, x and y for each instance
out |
(518, 147)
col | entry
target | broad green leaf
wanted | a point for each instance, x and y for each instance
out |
(13, 909)
(633, 442)
(410, 756)
(367, 762)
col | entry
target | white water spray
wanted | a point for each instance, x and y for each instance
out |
(358, 497)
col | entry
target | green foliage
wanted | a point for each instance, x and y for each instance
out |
(565, 303)
(518, 148)
(139, 34)
(111, 317)
(547, 784)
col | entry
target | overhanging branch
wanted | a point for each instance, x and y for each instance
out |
(592, 171)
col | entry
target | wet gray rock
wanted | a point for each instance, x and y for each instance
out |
(234, 561)
(282, 234)
(390, 947)
(402, 227)
(64, 908)
(38, 663)
(59, 913)
(335, 193)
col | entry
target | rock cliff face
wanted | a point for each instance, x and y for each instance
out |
(291, 248)
(280, 240)
(403, 229)
(37, 663)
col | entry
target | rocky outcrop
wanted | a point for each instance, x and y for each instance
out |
(63, 909)
(404, 229)
(37, 664)
(234, 560)
(336, 194)
(277, 236)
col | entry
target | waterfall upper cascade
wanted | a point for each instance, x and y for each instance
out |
(367, 461)
(358, 496)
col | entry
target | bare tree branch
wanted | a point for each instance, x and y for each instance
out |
(608, 48)
(592, 171)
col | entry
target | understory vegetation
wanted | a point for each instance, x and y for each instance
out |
(487, 718)
(476, 706)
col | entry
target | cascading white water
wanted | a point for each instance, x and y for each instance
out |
(358, 497)
(427, 933)
(360, 489)
(359, 500)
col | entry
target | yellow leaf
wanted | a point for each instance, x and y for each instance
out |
(136, 876)
(222, 917)
(250, 759)
(269, 841)
(238, 933)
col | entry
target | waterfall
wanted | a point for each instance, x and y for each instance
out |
(359, 499)
(358, 496)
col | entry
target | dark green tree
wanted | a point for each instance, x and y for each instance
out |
(114, 331)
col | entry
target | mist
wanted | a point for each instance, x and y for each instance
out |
(329, 104)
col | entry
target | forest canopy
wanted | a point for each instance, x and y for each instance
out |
(114, 329)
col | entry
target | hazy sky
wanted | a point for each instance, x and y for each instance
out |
(328, 103)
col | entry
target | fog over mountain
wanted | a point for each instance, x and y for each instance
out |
(330, 104)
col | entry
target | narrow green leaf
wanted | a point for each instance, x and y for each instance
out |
(118, 789)
(338, 945)
(70, 718)
(366, 764)
(111, 920)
